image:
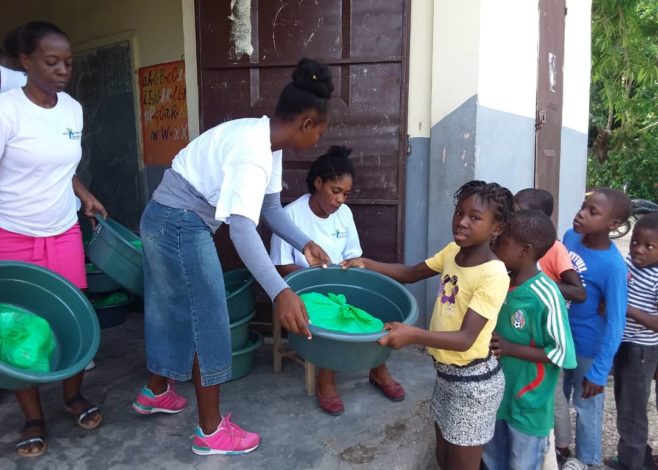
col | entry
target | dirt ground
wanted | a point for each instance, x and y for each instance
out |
(610, 436)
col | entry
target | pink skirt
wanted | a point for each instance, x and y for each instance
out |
(61, 253)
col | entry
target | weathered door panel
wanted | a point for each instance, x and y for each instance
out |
(365, 44)
(549, 97)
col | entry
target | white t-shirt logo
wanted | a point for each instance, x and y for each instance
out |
(72, 135)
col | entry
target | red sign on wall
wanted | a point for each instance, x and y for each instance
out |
(163, 111)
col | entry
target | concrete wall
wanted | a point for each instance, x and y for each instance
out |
(154, 27)
(575, 110)
(482, 104)
(91, 20)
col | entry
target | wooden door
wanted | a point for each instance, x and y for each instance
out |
(247, 50)
(549, 98)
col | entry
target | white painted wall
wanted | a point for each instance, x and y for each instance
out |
(507, 73)
(575, 110)
(456, 48)
(191, 80)
(420, 68)
(507, 93)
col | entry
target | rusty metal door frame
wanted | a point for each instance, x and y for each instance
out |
(550, 95)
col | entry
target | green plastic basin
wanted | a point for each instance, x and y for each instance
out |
(375, 293)
(113, 314)
(242, 360)
(240, 298)
(98, 282)
(67, 310)
(240, 332)
(111, 249)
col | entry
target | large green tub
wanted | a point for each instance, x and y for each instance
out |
(67, 310)
(240, 295)
(240, 332)
(98, 282)
(375, 293)
(112, 249)
(242, 360)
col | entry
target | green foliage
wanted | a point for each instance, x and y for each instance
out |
(623, 98)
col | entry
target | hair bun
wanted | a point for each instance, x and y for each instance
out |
(338, 151)
(313, 77)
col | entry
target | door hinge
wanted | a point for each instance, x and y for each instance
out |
(540, 119)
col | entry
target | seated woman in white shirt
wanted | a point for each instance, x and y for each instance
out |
(324, 216)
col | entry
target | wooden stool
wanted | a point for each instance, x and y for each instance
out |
(282, 350)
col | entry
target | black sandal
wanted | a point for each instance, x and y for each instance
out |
(85, 413)
(36, 440)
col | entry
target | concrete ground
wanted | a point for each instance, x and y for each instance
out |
(373, 433)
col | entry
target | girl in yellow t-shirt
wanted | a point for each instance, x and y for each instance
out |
(474, 284)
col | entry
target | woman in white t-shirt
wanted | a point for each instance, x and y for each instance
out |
(323, 215)
(229, 174)
(40, 131)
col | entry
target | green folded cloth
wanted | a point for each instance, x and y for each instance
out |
(332, 312)
(114, 298)
(26, 339)
(137, 244)
(91, 268)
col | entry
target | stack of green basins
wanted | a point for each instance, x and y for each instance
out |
(241, 309)
(109, 299)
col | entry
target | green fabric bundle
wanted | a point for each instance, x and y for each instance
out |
(332, 312)
(137, 244)
(26, 340)
(114, 298)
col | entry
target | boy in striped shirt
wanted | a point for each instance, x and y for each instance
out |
(637, 357)
(533, 341)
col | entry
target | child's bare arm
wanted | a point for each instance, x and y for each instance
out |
(402, 335)
(643, 318)
(571, 286)
(501, 347)
(399, 272)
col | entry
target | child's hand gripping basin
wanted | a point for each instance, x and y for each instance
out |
(375, 293)
(67, 310)
(117, 252)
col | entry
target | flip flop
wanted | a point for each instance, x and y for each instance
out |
(30, 441)
(86, 412)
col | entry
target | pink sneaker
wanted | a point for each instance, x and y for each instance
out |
(167, 402)
(229, 439)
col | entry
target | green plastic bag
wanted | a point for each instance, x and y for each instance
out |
(332, 312)
(26, 340)
(115, 298)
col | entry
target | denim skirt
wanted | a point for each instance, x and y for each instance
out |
(185, 311)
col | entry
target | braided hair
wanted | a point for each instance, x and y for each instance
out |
(496, 197)
(310, 88)
(330, 166)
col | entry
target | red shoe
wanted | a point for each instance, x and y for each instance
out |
(393, 392)
(331, 405)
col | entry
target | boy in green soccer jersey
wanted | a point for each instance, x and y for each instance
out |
(533, 341)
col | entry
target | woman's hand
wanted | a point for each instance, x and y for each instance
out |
(292, 312)
(315, 255)
(399, 336)
(354, 263)
(90, 205)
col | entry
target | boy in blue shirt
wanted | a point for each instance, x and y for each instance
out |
(533, 341)
(596, 335)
